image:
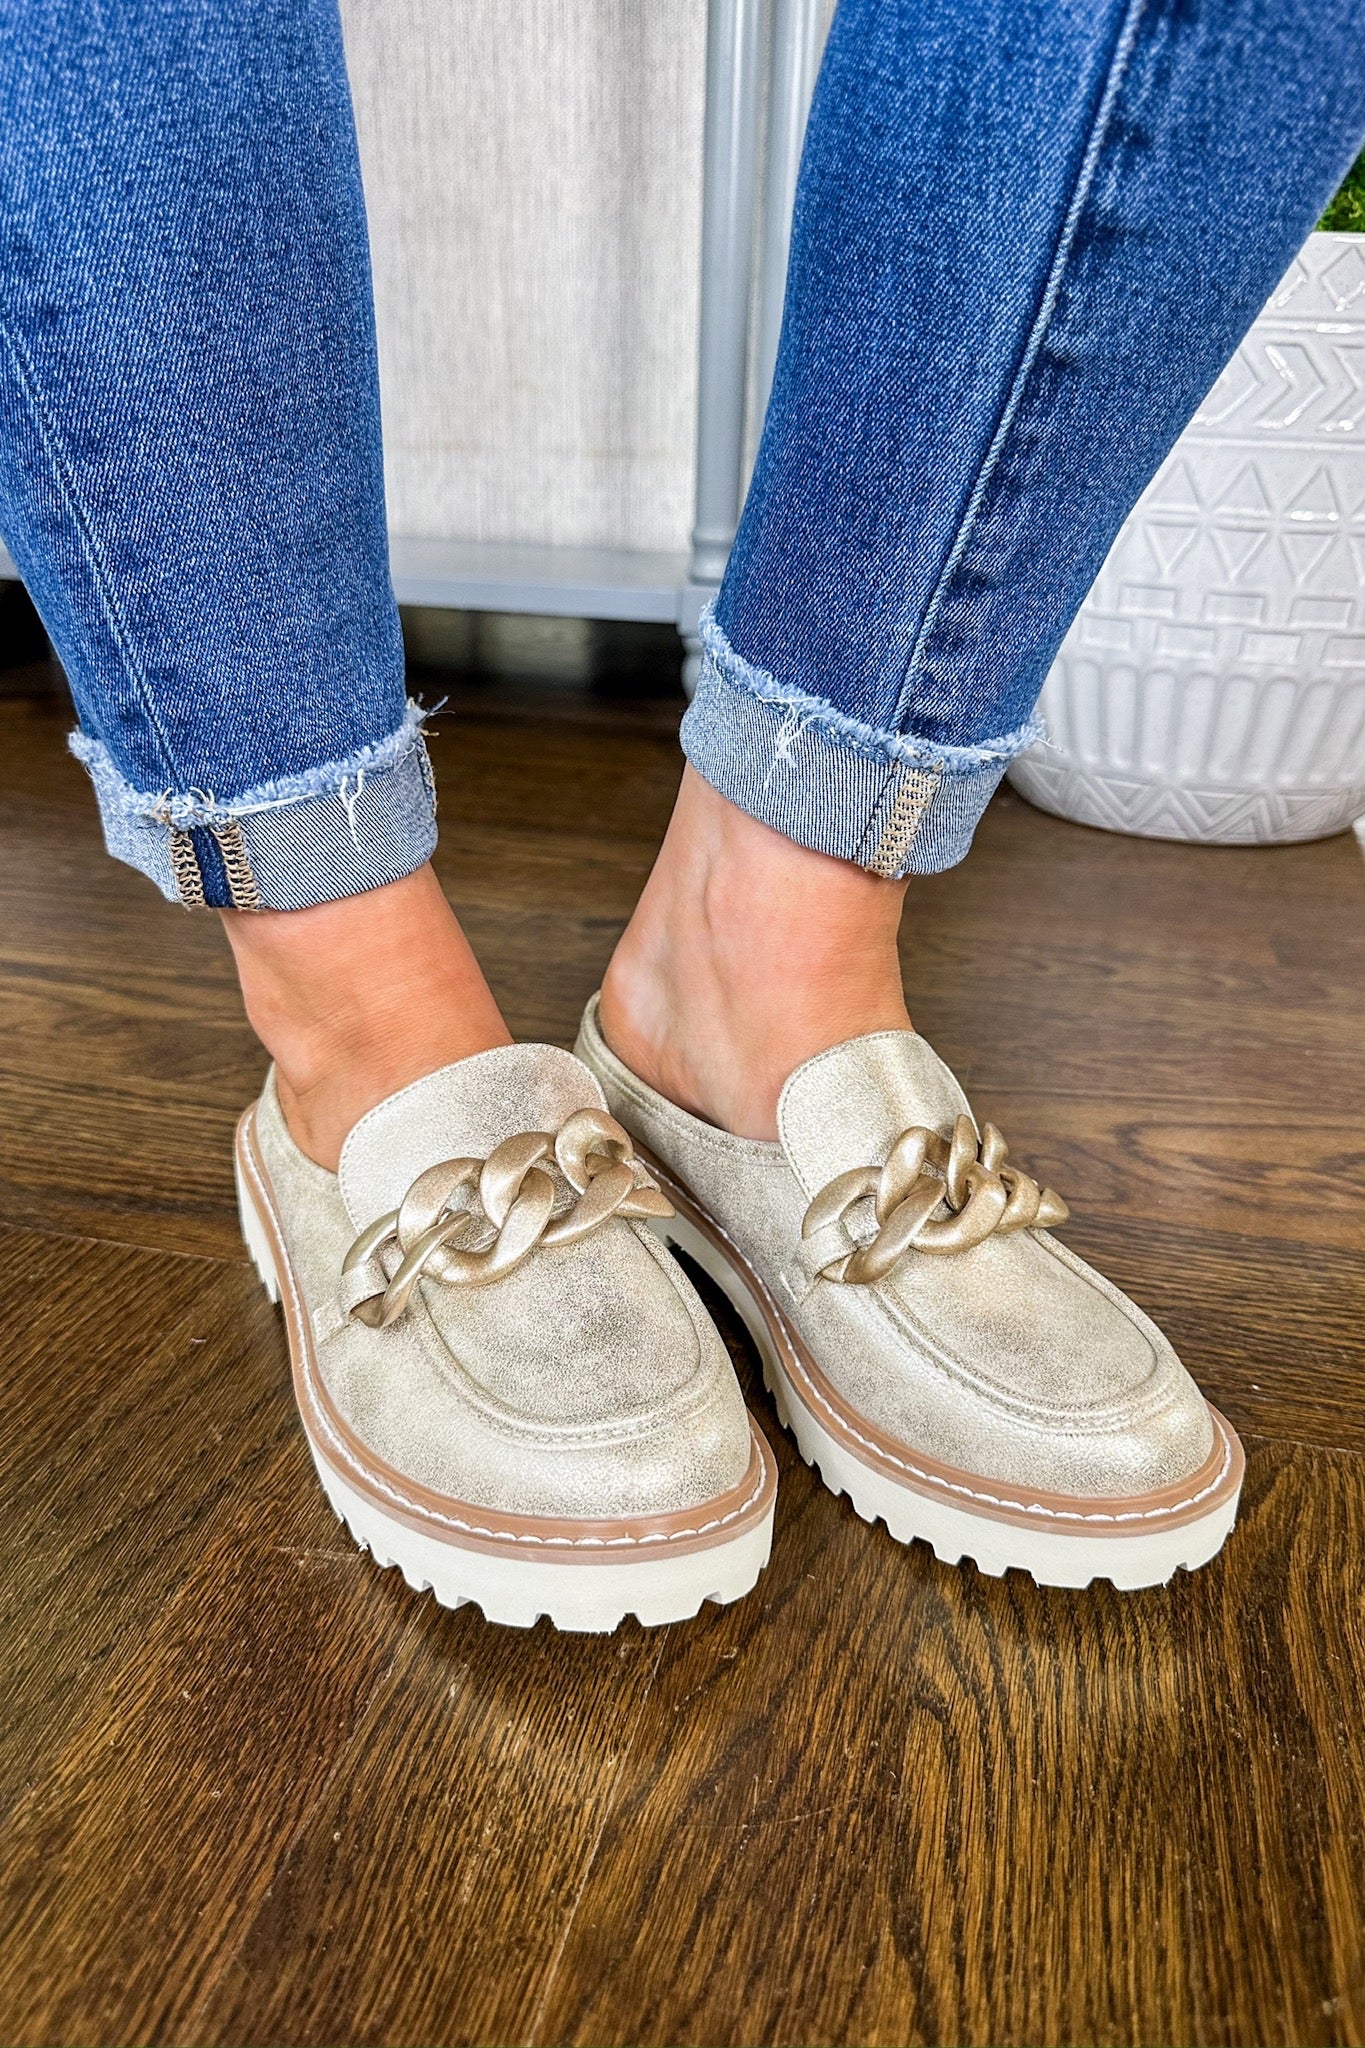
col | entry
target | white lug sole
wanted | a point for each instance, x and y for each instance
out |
(1052, 1557)
(583, 1595)
(590, 1599)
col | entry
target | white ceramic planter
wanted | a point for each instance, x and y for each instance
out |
(1212, 685)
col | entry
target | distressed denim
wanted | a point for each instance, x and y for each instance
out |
(190, 466)
(1028, 236)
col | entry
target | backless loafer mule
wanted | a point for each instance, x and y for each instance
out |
(935, 1351)
(509, 1386)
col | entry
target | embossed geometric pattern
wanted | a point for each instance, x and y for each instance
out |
(1156, 811)
(1212, 685)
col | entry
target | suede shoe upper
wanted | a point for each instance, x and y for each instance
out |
(1012, 1359)
(586, 1381)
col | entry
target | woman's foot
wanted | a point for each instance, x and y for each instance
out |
(564, 1436)
(941, 1358)
(355, 999)
(746, 955)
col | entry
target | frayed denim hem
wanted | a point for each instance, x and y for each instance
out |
(200, 807)
(336, 830)
(891, 803)
(887, 747)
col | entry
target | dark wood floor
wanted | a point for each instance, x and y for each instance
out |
(254, 1791)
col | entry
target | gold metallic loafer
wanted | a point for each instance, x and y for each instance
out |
(942, 1358)
(509, 1387)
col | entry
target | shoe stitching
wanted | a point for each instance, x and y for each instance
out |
(678, 1408)
(1028, 1507)
(1031, 1507)
(897, 1313)
(454, 1521)
(635, 1089)
(890, 1311)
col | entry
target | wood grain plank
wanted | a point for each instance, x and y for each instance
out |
(143, 1394)
(888, 1802)
(147, 1842)
(188, 1639)
(1270, 1329)
(193, 1647)
(1230, 1167)
(438, 1874)
(257, 1793)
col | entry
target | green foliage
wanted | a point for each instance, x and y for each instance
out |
(1346, 214)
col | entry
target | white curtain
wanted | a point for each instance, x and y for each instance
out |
(533, 176)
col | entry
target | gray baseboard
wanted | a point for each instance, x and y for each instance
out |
(564, 582)
(568, 582)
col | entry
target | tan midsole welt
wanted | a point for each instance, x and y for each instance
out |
(1205, 1493)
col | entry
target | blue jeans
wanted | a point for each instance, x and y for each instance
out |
(1028, 235)
(190, 463)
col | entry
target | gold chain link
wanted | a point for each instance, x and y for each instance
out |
(441, 1229)
(983, 1196)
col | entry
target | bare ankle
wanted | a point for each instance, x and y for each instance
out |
(747, 955)
(356, 998)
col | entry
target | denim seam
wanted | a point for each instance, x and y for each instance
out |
(1124, 44)
(872, 834)
(897, 750)
(64, 478)
(182, 810)
(911, 797)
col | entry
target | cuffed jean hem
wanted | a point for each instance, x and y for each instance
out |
(887, 801)
(334, 831)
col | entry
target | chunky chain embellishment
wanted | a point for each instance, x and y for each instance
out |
(981, 1193)
(468, 1221)
(241, 880)
(185, 868)
(189, 876)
